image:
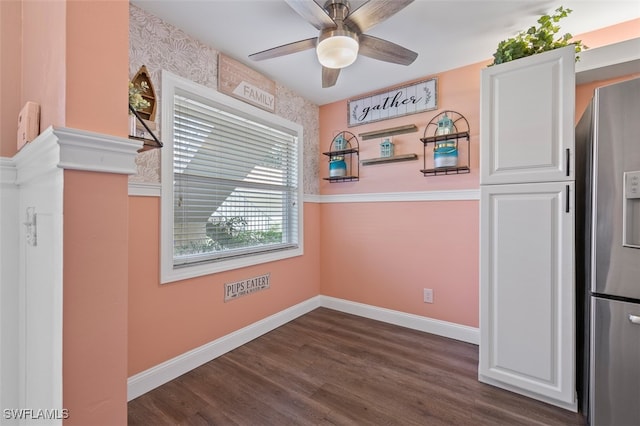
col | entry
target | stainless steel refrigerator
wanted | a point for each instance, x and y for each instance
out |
(608, 253)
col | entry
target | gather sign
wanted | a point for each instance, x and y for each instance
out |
(411, 99)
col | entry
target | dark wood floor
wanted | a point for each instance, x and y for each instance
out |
(331, 368)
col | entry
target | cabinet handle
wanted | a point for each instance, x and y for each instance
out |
(634, 319)
(567, 199)
(568, 161)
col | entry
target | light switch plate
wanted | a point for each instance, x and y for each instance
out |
(28, 123)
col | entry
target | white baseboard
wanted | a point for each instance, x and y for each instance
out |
(147, 380)
(403, 319)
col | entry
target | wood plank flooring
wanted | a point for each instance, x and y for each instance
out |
(332, 368)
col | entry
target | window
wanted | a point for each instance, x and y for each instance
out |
(231, 183)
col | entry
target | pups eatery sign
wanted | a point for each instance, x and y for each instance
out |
(245, 287)
(393, 103)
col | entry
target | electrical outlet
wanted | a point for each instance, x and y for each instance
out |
(428, 295)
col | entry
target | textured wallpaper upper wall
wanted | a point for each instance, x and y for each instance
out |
(162, 46)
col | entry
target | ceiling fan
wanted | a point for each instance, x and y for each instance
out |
(342, 35)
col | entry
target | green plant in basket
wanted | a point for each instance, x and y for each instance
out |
(537, 39)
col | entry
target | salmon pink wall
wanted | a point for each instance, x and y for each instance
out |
(617, 33)
(97, 66)
(74, 64)
(33, 64)
(63, 65)
(584, 92)
(166, 320)
(10, 74)
(43, 59)
(457, 90)
(613, 34)
(95, 217)
(384, 253)
(95, 298)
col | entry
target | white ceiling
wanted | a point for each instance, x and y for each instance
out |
(446, 34)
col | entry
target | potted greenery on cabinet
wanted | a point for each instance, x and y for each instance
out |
(537, 39)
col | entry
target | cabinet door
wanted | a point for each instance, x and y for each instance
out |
(526, 290)
(527, 119)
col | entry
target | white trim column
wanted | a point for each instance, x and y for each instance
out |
(31, 286)
(9, 296)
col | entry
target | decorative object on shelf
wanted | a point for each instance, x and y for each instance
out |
(445, 131)
(136, 100)
(341, 163)
(142, 110)
(445, 125)
(337, 167)
(386, 148)
(411, 99)
(445, 153)
(142, 96)
(537, 39)
(340, 142)
(137, 103)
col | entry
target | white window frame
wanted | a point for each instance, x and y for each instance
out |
(172, 84)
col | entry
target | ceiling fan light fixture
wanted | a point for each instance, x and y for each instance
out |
(337, 49)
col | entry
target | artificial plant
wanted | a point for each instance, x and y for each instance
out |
(537, 39)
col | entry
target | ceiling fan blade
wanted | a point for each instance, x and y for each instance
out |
(285, 49)
(384, 50)
(312, 12)
(375, 11)
(329, 76)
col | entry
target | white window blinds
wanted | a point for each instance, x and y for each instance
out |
(235, 184)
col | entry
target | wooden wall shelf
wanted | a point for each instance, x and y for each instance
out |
(394, 159)
(430, 141)
(345, 150)
(143, 76)
(409, 128)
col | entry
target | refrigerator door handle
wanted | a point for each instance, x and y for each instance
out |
(568, 162)
(635, 319)
(567, 200)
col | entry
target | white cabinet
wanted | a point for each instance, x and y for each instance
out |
(527, 278)
(526, 134)
(527, 327)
